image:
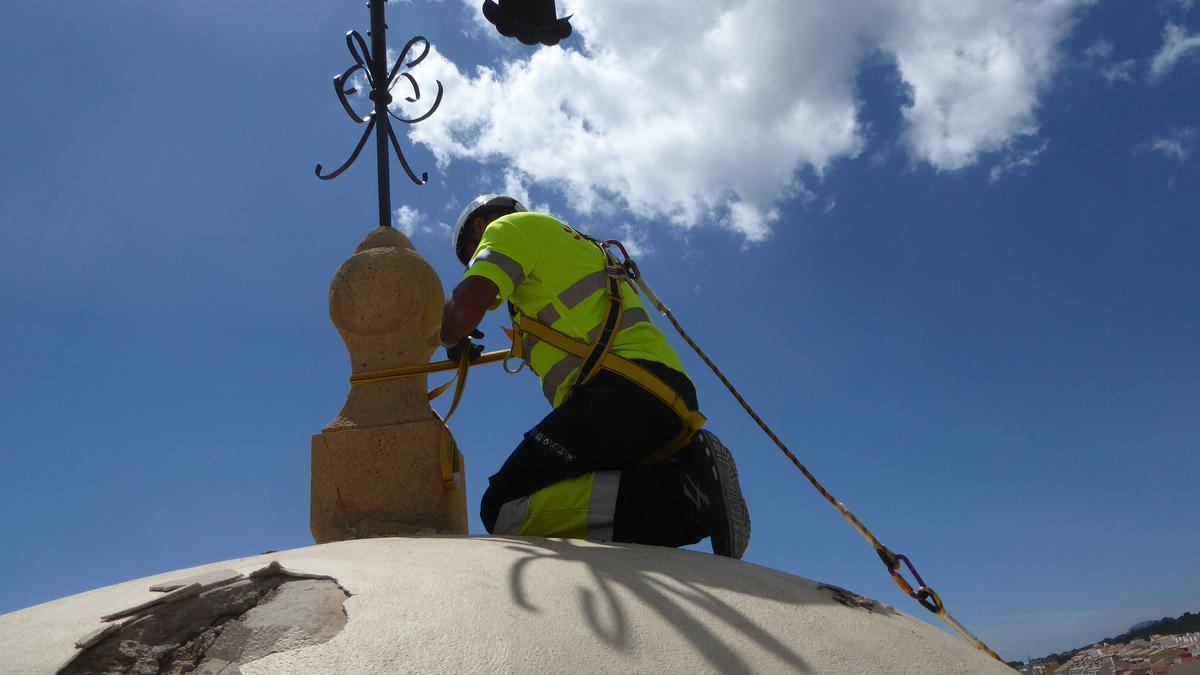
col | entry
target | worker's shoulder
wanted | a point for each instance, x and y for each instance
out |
(527, 236)
(528, 223)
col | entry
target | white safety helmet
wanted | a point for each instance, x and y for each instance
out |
(468, 214)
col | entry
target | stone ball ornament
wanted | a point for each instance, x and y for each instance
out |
(387, 286)
(530, 21)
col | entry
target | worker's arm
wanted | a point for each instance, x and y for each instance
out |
(466, 307)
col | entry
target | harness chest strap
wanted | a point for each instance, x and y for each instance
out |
(614, 273)
(692, 420)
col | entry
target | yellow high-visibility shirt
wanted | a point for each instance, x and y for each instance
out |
(550, 272)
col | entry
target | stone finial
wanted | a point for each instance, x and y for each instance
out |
(377, 467)
(386, 302)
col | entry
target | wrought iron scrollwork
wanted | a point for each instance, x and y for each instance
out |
(362, 64)
(416, 95)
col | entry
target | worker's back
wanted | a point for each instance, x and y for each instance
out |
(550, 272)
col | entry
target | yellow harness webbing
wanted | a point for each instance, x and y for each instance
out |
(371, 376)
(614, 274)
(450, 457)
(692, 420)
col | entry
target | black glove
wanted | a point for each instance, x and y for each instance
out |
(473, 350)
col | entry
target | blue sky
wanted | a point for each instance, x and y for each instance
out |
(950, 257)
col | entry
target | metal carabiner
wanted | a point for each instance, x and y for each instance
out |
(513, 372)
(627, 262)
(923, 594)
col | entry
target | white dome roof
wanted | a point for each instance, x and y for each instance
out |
(531, 605)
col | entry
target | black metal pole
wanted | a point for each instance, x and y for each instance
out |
(372, 61)
(382, 98)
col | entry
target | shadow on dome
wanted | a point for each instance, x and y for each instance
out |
(679, 593)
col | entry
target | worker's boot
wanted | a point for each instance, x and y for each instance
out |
(711, 484)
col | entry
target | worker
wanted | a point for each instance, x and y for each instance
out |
(595, 467)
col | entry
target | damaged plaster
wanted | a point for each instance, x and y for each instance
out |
(215, 628)
(509, 604)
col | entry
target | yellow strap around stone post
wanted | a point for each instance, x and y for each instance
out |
(373, 376)
(449, 456)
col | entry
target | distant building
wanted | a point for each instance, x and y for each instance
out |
(1047, 667)
(1189, 666)
(1161, 655)
(1088, 662)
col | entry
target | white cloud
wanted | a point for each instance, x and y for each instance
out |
(1121, 71)
(409, 220)
(1177, 145)
(412, 222)
(1099, 51)
(1170, 147)
(1098, 54)
(719, 111)
(1016, 162)
(635, 241)
(514, 186)
(1176, 44)
(976, 69)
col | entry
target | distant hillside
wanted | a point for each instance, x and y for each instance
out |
(1189, 622)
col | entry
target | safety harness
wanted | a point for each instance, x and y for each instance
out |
(597, 356)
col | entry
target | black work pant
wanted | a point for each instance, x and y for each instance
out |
(605, 429)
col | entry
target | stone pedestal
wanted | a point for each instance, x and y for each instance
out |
(377, 467)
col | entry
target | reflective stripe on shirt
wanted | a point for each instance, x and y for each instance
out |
(548, 271)
(511, 267)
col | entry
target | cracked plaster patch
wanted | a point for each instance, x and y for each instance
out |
(215, 630)
(854, 600)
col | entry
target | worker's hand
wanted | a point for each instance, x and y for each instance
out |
(455, 353)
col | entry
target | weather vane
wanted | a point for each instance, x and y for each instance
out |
(530, 21)
(373, 64)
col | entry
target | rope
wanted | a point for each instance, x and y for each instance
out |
(923, 594)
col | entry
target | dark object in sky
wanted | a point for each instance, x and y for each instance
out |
(530, 21)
